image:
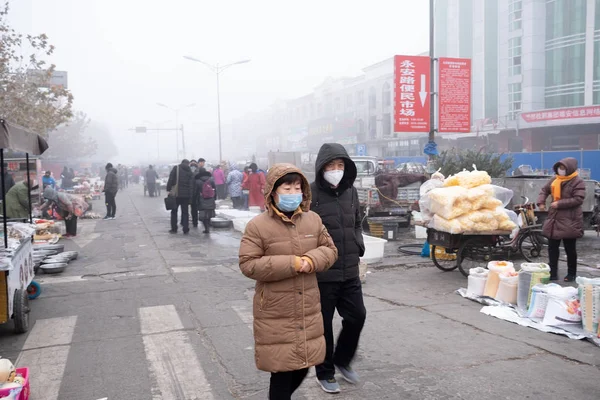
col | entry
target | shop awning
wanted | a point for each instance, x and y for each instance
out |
(16, 138)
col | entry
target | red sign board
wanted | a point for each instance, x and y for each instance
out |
(411, 94)
(563, 113)
(455, 95)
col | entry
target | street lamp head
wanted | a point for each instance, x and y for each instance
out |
(242, 62)
(162, 105)
(192, 59)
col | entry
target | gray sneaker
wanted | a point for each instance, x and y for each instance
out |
(329, 385)
(349, 375)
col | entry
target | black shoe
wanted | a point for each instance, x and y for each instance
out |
(554, 278)
(172, 232)
(186, 232)
(194, 226)
(570, 278)
(206, 231)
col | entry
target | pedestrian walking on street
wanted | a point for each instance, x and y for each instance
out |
(234, 184)
(151, 177)
(111, 187)
(205, 196)
(181, 186)
(335, 199)
(255, 184)
(283, 249)
(66, 179)
(219, 177)
(565, 216)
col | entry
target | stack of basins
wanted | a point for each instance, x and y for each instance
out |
(51, 258)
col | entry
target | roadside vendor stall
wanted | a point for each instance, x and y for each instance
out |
(16, 256)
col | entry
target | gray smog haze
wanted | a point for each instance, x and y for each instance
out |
(124, 56)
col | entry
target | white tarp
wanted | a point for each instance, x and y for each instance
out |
(508, 313)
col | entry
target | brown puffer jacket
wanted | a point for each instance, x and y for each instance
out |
(288, 326)
(566, 221)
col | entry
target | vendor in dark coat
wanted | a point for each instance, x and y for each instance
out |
(205, 196)
(336, 201)
(151, 177)
(181, 185)
(565, 216)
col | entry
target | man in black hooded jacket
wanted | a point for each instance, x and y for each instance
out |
(181, 185)
(335, 199)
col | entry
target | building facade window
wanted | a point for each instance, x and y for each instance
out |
(514, 100)
(373, 127)
(565, 53)
(515, 15)
(360, 97)
(372, 98)
(349, 101)
(386, 125)
(597, 55)
(386, 95)
(514, 56)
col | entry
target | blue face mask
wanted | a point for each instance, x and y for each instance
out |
(289, 202)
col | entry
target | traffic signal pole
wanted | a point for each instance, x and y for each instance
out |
(432, 77)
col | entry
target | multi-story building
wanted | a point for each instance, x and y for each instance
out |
(529, 56)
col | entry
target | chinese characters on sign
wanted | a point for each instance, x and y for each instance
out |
(565, 113)
(411, 101)
(455, 95)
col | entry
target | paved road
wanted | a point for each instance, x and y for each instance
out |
(147, 315)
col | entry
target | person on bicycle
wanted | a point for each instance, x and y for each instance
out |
(565, 216)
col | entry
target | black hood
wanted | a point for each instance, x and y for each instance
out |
(185, 167)
(328, 153)
(113, 170)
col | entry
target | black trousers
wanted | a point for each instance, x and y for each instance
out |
(221, 192)
(195, 212)
(111, 204)
(184, 203)
(347, 298)
(151, 189)
(238, 203)
(284, 384)
(71, 226)
(554, 253)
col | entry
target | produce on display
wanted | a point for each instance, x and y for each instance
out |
(493, 281)
(563, 307)
(539, 300)
(467, 202)
(589, 297)
(507, 289)
(531, 274)
(477, 279)
(468, 179)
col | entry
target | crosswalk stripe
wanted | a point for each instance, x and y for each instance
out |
(45, 353)
(174, 364)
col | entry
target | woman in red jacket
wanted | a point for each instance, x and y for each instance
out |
(255, 184)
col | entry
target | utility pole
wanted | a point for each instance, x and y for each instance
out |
(183, 140)
(432, 84)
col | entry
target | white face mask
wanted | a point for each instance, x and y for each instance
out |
(562, 172)
(334, 177)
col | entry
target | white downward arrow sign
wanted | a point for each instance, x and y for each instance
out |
(422, 92)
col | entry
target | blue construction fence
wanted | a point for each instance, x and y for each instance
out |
(588, 159)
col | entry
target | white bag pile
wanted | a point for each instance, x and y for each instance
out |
(467, 202)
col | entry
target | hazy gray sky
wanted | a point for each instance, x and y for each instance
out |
(124, 56)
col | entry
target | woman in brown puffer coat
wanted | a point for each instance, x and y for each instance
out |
(283, 249)
(565, 217)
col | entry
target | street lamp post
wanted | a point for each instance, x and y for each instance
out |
(157, 126)
(176, 110)
(217, 70)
